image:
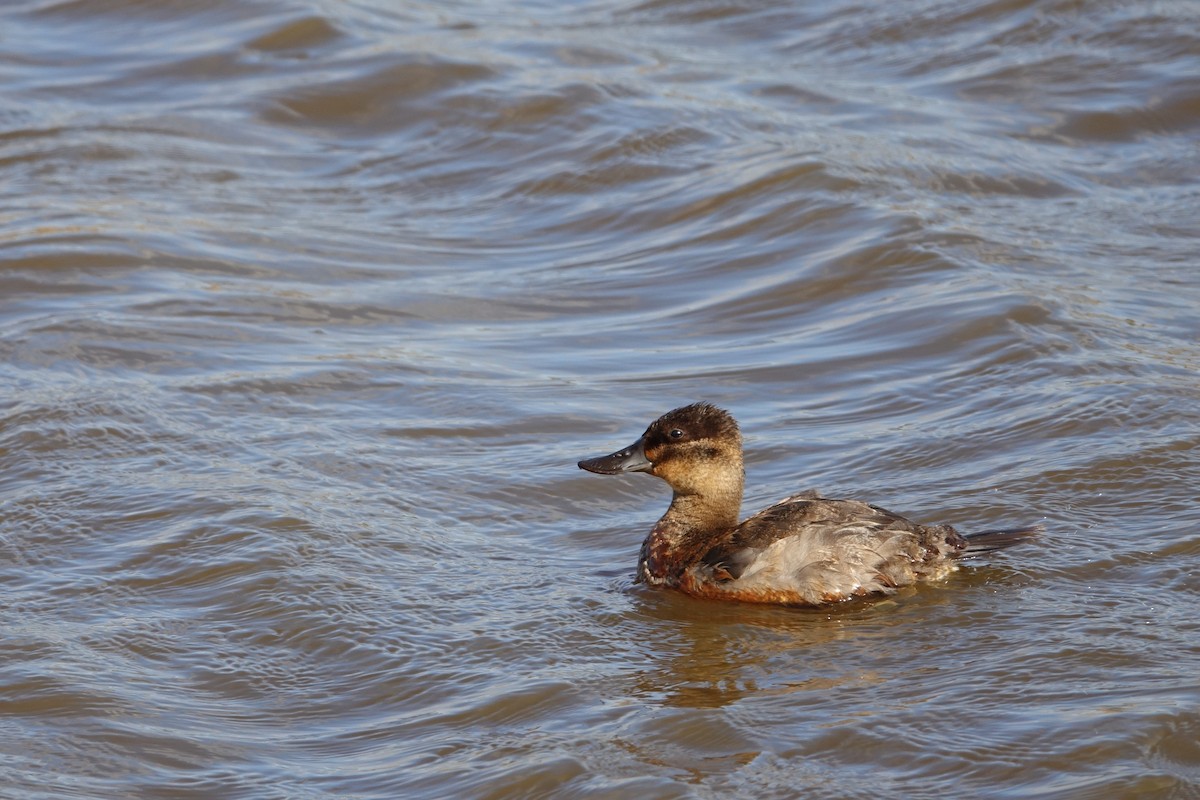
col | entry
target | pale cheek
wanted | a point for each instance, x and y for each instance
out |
(665, 471)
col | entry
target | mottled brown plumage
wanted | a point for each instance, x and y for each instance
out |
(804, 550)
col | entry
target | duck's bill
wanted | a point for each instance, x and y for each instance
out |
(629, 459)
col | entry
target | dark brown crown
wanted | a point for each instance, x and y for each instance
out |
(689, 423)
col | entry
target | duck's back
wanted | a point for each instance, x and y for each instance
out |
(811, 550)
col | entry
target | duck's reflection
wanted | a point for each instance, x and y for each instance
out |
(718, 653)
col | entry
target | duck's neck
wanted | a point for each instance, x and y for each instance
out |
(692, 525)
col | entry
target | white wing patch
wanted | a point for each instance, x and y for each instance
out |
(839, 562)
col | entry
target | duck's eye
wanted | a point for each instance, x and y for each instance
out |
(675, 433)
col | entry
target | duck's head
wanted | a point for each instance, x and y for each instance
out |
(697, 449)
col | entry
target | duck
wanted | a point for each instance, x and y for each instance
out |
(805, 550)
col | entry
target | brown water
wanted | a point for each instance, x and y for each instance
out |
(307, 310)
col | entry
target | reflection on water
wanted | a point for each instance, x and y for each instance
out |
(307, 313)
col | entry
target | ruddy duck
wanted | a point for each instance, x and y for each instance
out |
(804, 550)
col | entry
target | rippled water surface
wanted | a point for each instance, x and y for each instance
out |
(308, 309)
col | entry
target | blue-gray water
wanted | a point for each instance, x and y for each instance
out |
(308, 309)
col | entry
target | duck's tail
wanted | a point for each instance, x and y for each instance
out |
(987, 541)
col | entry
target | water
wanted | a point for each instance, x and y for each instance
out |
(308, 309)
